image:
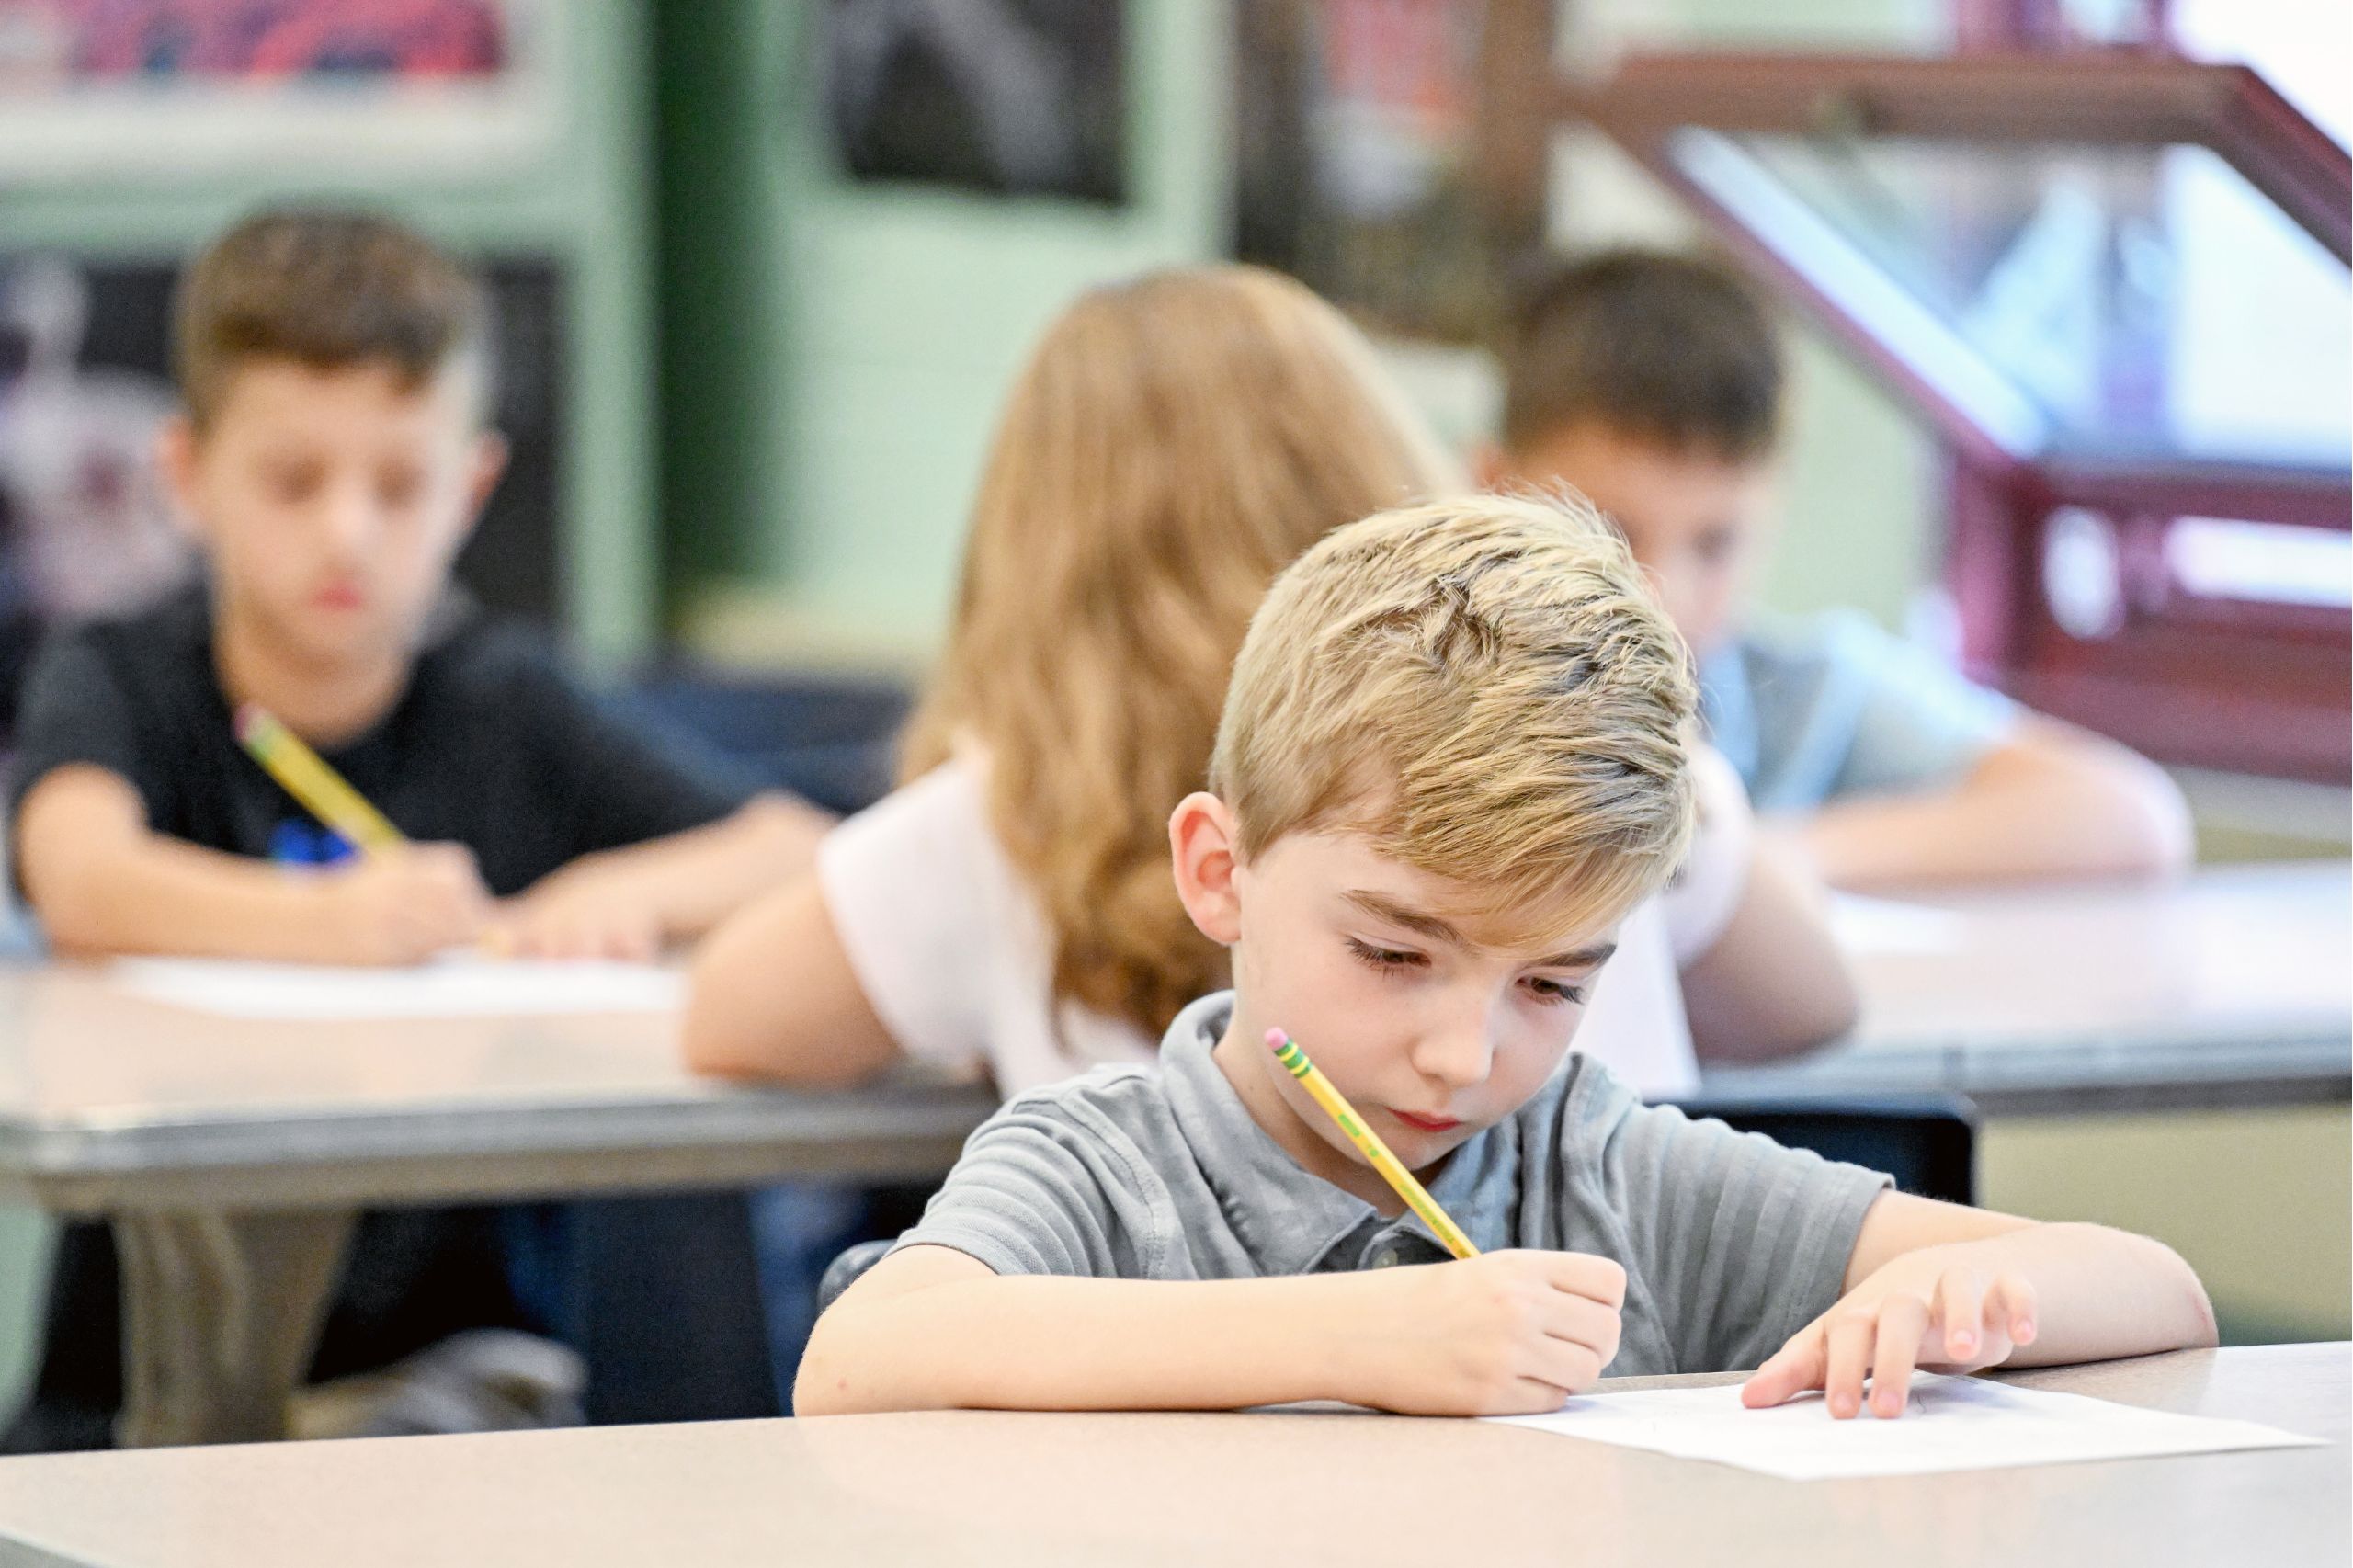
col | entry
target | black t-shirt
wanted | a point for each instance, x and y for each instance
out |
(492, 745)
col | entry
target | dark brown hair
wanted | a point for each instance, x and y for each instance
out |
(327, 289)
(1672, 348)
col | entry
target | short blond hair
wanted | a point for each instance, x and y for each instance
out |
(1487, 688)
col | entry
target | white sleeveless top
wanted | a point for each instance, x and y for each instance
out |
(949, 945)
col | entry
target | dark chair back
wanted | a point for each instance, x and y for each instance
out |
(1928, 1142)
(828, 741)
(843, 1272)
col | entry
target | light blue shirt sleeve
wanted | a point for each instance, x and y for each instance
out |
(1815, 712)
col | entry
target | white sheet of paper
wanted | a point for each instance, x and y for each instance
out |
(454, 987)
(1953, 1423)
(1862, 924)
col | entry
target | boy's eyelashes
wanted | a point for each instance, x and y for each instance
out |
(1388, 961)
(292, 482)
(1557, 992)
(1400, 961)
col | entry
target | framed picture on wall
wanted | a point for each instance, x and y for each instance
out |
(1013, 97)
(141, 88)
(1354, 142)
(87, 527)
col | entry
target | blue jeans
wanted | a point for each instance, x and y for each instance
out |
(797, 1230)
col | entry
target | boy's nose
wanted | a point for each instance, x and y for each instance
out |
(1459, 1056)
(346, 519)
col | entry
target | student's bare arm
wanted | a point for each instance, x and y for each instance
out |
(1775, 982)
(103, 883)
(2051, 802)
(773, 996)
(627, 903)
(931, 1328)
(1954, 1289)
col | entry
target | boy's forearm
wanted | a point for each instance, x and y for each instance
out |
(157, 896)
(1065, 1344)
(692, 880)
(2100, 1293)
(2026, 812)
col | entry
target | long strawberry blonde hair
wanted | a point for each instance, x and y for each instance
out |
(1172, 444)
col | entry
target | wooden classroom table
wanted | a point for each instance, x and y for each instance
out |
(1295, 1489)
(2233, 987)
(231, 1155)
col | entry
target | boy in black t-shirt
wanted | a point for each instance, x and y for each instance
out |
(332, 459)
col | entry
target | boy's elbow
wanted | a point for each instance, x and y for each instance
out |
(818, 1389)
(829, 1381)
(2149, 830)
(2205, 1333)
(75, 913)
(2190, 1312)
(2165, 840)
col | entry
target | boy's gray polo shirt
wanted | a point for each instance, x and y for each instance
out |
(1731, 1243)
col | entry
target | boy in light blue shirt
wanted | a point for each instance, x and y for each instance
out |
(1452, 756)
(1653, 383)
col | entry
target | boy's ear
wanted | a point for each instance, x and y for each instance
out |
(1201, 846)
(176, 460)
(489, 466)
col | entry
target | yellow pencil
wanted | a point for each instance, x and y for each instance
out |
(1335, 1105)
(321, 788)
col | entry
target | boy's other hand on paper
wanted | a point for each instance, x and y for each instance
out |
(581, 912)
(404, 904)
(1503, 1334)
(1933, 1309)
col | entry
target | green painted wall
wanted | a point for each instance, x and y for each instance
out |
(861, 334)
(586, 200)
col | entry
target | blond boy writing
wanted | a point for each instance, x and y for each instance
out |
(1452, 757)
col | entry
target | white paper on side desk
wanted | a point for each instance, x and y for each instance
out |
(1953, 1423)
(454, 987)
(1870, 925)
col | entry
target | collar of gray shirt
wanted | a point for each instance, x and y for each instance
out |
(1289, 1221)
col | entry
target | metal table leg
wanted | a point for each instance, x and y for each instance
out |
(221, 1313)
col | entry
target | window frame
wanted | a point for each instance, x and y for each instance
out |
(2250, 687)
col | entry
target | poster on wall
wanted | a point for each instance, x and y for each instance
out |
(1012, 97)
(143, 88)
(87, 526)
(1354, 126)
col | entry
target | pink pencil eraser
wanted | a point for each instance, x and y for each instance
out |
(1276, 1039)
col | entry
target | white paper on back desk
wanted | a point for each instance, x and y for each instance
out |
(451, 987)
(1953, 1423)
